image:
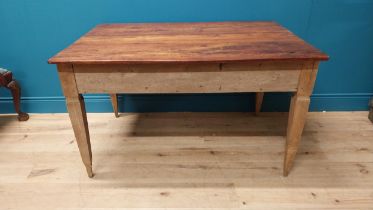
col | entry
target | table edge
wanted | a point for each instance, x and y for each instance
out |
(52, 61)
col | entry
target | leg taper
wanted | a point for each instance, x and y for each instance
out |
(297, 118)
(77, 113)
(114, 102)
(258, 102)
(79, 122)
(300, 102)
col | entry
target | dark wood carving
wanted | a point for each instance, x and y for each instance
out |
(7, 81)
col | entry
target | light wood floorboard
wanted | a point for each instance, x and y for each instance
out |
(187, 160)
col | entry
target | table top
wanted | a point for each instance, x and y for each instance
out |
(187, 42)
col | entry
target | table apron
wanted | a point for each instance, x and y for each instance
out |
(198, 78)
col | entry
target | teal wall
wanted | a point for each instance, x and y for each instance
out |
(31, 31)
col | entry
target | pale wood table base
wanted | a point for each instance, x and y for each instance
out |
(114, 103)
(296, 77)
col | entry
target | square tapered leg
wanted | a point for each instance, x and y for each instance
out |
(76, 108)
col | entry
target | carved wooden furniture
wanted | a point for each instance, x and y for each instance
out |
(222, 57)
(7, 81)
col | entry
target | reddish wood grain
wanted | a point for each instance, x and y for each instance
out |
(187, 42)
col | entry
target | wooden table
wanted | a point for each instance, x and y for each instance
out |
(221, 57)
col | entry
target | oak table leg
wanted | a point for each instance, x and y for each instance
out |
(114, 102)
(78, 117)
(258, 102)
(298, 112)
(297, 118)
(77, 113)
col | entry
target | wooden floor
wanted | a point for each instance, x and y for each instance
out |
(187, 160)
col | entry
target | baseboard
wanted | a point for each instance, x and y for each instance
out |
(191, 102)
(340, 102)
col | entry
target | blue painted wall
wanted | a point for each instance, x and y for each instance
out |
(33, 31)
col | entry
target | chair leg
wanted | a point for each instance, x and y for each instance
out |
(16, 93)
(114, 102)
(258, 102)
